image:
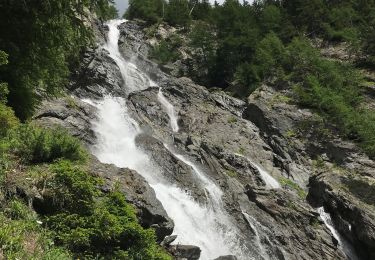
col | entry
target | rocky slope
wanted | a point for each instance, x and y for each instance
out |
(234, 142)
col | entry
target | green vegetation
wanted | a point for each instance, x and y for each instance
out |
(150, 11)
(287, 183)
(52, 208)
(232, 173)
(37, 145)
(232, 120)
(240, 46)
(164, 52)
(42, 41)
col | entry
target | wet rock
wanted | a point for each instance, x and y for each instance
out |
(168, 240)
(351, 201)
(226, 257)
(185, 252)
(225, 137)
(69, 113)
(150, 212)
(172, 168)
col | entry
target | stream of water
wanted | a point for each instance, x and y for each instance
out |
(343, 244)
(202, 225)
(169, 109)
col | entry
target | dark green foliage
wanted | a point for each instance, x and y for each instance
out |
(105, 9)
(200, 10)
(7, 120)
(43, 39)
(164, 52)
(178, 13)
(37, 145)
(202, 40)
(3, 86)
(333, 89)
(150, 11)
(92, 224)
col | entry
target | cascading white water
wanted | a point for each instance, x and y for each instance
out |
(134, 80)
(116, 131)
(214, 192)
(252, 222)
(170, 110)
(270, 181)
(343, 244)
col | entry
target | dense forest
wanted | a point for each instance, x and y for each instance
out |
(242, 45)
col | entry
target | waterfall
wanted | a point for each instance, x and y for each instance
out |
(133, 79)
(343, 244)
(270, 181)
(170, 110)
(253, 224)
(195, 224)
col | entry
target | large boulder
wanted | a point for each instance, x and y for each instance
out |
(351, 201)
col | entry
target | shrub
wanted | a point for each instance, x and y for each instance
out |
(92, 224)
(164, 53)
(38, 145)
(7, 119)
(287, 183)
(25, 239)
(150, 11)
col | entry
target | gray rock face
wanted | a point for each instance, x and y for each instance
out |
(344, 188)
(185, 252)
(99, 75)
(69, 113)
(226, 257)
(137, 192)
(234, 143)
(352, 212)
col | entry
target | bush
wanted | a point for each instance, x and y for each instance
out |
(92, 224)
(164, 53)
(150, 11)
(25, 239)
(8, 120)
(332, 89)
(37, 145)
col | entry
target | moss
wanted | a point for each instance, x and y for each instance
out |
(314, 222)
(71, 102)
(290, 134)
(232, 120)
(279, 98)
(241, 150)
(293, 186)
(232, 173)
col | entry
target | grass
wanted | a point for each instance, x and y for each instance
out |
(232, 173)
(70, 217)
(285, 182)
(232, 120)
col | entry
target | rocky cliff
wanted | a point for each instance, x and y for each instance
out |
(266, 154)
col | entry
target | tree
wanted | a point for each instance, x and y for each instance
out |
(200, 10)
(43, 39)
(150, 11)
(3, 86)
(178, 13)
